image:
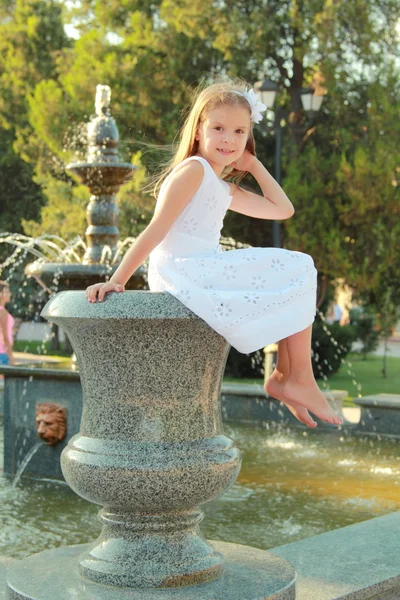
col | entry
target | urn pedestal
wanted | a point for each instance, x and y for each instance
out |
(150, 451)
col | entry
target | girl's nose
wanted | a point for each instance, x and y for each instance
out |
(227, 137)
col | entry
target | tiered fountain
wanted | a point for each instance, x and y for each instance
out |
(104, 174)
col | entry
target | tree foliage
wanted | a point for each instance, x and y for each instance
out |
(341, 170)
(346, 195)
(31, 39)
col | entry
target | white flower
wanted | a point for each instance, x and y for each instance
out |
(256, 106)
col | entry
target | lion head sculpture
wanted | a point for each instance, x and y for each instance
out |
(51, 423)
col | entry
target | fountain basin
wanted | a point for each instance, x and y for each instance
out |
(79, 276)
(291, 486)
(25, 386)
(380, 414)
(102, 174)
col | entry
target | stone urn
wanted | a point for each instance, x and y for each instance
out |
(150, 451)
(151, 447)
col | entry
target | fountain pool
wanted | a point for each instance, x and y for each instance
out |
(292, 485)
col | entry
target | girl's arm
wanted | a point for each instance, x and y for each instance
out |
(274, 204)
(179, 191)
(7, 341)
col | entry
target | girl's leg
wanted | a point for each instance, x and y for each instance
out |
(275, 384)
(283, 365)
(300, 387)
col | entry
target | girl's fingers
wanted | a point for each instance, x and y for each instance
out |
(99, 290)
(103, 289)
(91, 293)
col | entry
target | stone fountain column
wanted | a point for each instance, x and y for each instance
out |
(150, 450)
(104, 174)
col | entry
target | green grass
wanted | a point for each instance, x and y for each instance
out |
(367, 373)
(36, 347)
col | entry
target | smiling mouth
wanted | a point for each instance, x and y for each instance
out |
(225, 151)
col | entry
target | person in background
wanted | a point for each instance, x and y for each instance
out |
(334, 314)
(6, 326)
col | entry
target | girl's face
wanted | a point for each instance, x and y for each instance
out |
(223, 135)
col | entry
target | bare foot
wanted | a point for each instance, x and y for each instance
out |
(309, 396)
(274, 387)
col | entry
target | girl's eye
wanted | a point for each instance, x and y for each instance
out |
(217, 127)
(239, 131)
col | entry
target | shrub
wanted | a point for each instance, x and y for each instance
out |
(364, 323)
(245, 366)
(330, 344)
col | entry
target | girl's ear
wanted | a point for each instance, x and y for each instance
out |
(197, 137)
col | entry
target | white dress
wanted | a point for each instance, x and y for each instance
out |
(253, 296)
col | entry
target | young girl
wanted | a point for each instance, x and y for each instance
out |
(6, 326)
(252, 297)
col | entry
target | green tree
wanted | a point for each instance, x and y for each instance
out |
(19, 194)
(346, 195)
(31, 38)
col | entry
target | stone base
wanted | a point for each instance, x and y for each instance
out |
(249, 574)
(357, 562)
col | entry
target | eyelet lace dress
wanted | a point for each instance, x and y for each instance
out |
(252, 296)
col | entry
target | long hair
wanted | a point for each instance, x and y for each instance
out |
(205, 100)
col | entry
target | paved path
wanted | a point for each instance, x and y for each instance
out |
(352, 414)
(393, 348)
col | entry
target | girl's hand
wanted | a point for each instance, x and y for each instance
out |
(244, 162)
(101, 289)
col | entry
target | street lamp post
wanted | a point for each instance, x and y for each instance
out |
(311, 102)
(276, 226)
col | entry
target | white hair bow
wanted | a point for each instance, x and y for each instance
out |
(256, 106)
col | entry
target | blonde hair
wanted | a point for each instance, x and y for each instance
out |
(205, 100)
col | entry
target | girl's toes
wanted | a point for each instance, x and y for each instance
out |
(309, 421)
(303, 416)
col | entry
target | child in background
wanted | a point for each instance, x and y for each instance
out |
(6, 326)
(254, 296)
